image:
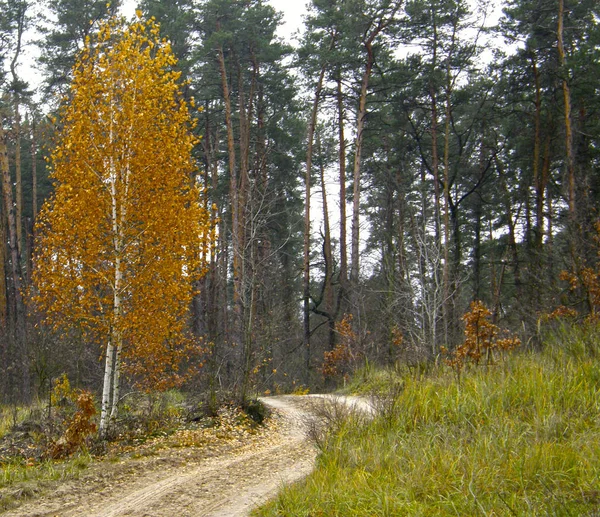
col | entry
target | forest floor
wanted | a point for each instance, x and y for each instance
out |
(225, 477)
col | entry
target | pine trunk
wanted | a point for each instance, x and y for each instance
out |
(327, 255)
(360, 126)
(18, 177)
(16, 273)
(567, 114)
(307, 181)
(342, 160)
(236, 326)
(3, 286)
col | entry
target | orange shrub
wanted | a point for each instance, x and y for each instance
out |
(481, 339)
(338, 361)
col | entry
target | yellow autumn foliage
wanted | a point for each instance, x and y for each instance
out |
(121, 239)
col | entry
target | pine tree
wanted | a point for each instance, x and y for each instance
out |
(68, 25)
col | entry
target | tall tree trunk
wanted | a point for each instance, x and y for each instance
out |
(15, 266)
(541, 187)
(567, 113)
(30, 222)
(388, 257)
(435, 160)
(342, 160)
(247, 281)
(477, 251)
(4, 349)
(447, 308)
(307, 227)
(214, 302)
(113, 348)
(327, 254)
(512, 231)
(34, 178)
(537, 144)
(237, 323)
(377, 27)
(16, 87)
(3, 286)
(18, 175)
(401, 247)
(360, 126)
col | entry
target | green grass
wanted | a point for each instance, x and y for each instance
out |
(18, 480)
(521, 438)
(17, 471)
(11, 416)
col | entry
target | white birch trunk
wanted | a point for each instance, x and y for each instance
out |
(108, 373)
(110, 392)
(116, 384)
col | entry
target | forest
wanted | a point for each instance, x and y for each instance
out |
(351, 195)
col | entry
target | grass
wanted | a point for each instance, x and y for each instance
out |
(50, 470)
(20, 479)
(518, 439)
(13, 415)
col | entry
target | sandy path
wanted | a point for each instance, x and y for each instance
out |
(226, 484)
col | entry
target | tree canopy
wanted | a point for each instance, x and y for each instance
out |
(121, 237)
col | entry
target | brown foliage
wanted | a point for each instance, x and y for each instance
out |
(337, 361)
(585, 283)
(79, 427)
(481, 339)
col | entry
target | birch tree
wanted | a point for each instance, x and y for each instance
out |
(120, 238)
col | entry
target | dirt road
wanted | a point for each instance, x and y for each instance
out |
(190, 482)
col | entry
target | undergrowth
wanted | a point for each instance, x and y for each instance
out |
(20, 479)
(56, 440)
(518, 438)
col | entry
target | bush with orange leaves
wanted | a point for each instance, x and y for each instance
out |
(584, 286)
(79, 426)
(587, 282)
(482, 338)
(338, 361)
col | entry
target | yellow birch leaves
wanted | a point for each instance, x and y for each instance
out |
(121, 237)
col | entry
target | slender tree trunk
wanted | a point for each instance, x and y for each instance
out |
(245, 201)
(541, 190)
(567, 113)
(214, 291)
(17, 127)
(435, 161)
(342, 160)
(477, 251)
(447, 306)
(4, 350)
(18, 176)
(34, 178)
(327, 254)
(360, 125)
(307, 227)
(236, 327)
(401, 247)
(512, 239)
(106, 389)
(3, 286)
(16, 273)
(388, 258)
(537, 144)
(116, 391)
